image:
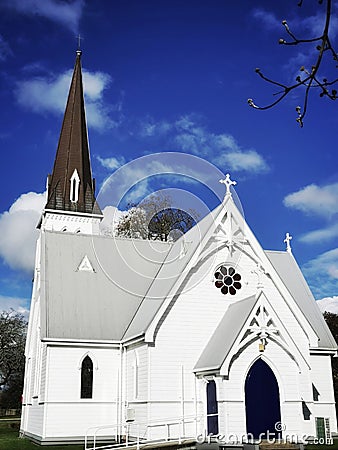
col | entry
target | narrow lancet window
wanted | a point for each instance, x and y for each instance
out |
(87, 378)
(74, 187)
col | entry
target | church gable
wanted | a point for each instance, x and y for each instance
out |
(227, 262)
(252, 321)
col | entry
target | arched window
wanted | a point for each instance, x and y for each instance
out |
(87, 378)
(74, 187)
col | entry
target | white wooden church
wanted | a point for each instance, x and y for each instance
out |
(210, 334)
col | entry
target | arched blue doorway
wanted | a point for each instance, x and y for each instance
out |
(212, 408)
(261, 400)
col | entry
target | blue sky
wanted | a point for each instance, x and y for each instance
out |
(170, 76)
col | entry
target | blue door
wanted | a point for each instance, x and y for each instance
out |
(212, 408)
(262, 401)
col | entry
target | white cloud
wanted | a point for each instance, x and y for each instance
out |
(188, 134)
(329, 304)
(293, 65)
(321, 235)
(111, 217)
(66, 13)
(326, 262)
(112, 162)
(18, 304)
(149, 127)
(314, 25)
(314, 199)
(18, 231)
(248, 160)
(49, 94)
(5, 49)
(322, 273)
(221, 149)
(266, 18)
(133, 180)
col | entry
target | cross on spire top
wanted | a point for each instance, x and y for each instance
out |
(287, 241)
(228, 182)
(79, 39)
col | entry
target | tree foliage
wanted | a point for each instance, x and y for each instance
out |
(13, 328)
(155, 218)
(311, 77)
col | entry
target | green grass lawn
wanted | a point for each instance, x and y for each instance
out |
(334, 446)
(9, 439)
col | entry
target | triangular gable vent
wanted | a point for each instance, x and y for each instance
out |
(85, 265)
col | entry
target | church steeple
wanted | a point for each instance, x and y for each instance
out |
(71, 187)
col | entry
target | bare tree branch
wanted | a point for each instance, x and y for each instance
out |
(309, 78)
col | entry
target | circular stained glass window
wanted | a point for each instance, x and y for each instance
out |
(227, 280)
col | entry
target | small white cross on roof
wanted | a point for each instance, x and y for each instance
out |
(287, 241)
(228, 183)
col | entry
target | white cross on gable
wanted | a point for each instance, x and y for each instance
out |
(228, 183)
(287, 241)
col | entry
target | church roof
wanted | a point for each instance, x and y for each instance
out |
(131, 279)
(226, 333)
(291, 275)
(93, 286)
(73, 155)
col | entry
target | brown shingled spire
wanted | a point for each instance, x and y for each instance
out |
(71, 186)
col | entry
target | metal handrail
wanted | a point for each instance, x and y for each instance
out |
(139, 439)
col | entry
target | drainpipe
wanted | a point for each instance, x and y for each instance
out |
(119, 422)
(182, 400)
(195, 403)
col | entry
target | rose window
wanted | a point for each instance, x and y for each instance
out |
(227, 280)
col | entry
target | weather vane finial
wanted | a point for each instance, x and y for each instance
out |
(287, 242)
(228, 183)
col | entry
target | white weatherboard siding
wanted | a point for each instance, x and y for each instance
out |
(65, 373)
(136, 386)
(322, 380)
(35, 420)
(70, 420)
(66, 413)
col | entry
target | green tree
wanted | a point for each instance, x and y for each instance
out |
(155, 218)
(13, 327)
(309, 78)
